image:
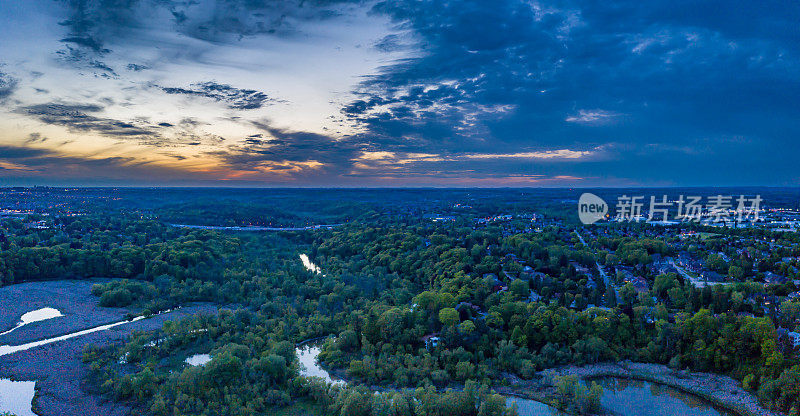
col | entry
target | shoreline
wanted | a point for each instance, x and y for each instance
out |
(722, 391)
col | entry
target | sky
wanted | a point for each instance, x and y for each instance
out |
(401, 93)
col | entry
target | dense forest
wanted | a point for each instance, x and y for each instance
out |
(432, 314)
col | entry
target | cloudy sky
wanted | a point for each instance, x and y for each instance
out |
(399, 93)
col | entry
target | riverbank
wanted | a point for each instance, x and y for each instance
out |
(534, 393)
(718, 391)
(57, 368)
(722, 391)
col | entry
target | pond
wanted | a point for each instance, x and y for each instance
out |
(641, 398)
(42, 314)
(16, 397)
(198, 359)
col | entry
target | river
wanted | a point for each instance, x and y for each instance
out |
(307, 355)
(642, 398)
(309, 367)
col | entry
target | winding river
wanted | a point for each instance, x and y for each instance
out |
(643, 398)
(623, 397)
(307, 355)
(309, 367)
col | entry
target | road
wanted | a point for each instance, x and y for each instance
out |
(603, 273)
(695, 280)
(254, 228)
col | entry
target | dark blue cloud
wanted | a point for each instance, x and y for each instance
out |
(81, 117)
(92, 22)
(719, 80)
(658, 91)
(235, 98)
(8, 85)
(286, 145)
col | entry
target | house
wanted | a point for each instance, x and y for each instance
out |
(774, 278)
(491, 276)
(443, 218)
(648, 317)
(685, 260)
(795, 337)
(791, 336)
(431, 341)
(712, 276)
(529, 274)
(638, 283)
(497, 285)
(39, 225)
(534, 297)
(579, 268)
(467, 310)
(662, 266)
(626, 273)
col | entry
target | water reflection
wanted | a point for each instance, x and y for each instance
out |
(198, 359)
(641, 398)
(16, 397)
(309, 367)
